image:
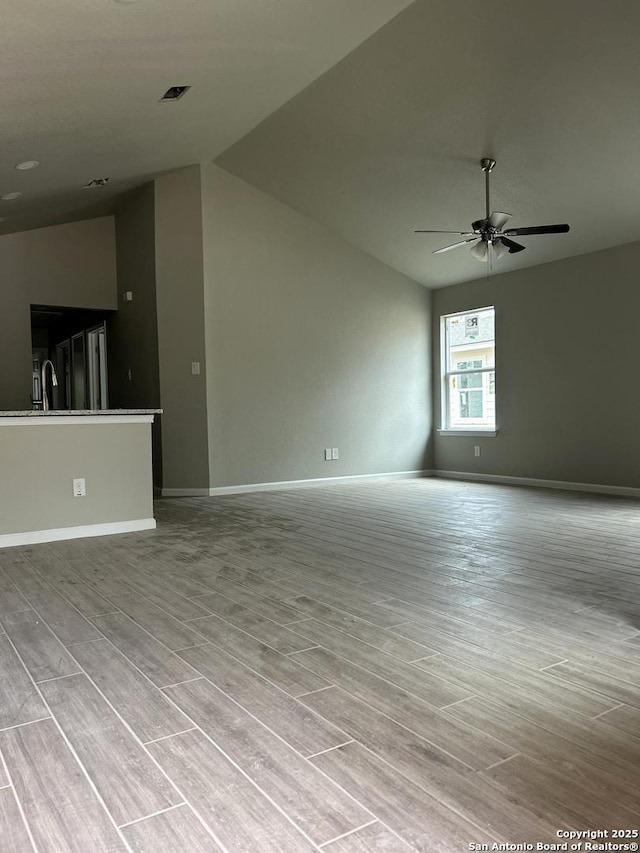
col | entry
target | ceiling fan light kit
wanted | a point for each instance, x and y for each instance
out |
(499, 248)
(480, 251)
(490, 231)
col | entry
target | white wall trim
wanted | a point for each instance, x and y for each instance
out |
(318, 481)
(623, 491)
(68, 420)
(184, 493)
(291, 484)
(479, 433)
(34, 537)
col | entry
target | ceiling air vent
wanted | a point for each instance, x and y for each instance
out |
(174, 93)
(96, 182)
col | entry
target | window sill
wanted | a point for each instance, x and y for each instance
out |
(487, 433)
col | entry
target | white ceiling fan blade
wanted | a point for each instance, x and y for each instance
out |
(498, 219)
(456, 245)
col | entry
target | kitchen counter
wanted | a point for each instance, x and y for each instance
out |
(65, 413)
(107, 451)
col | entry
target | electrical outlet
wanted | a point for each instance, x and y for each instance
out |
(327, 454)
(476, 450)
(129, 375)
(79, 488)
(334, 453)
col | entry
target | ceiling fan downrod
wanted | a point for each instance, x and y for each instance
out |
(487, 164)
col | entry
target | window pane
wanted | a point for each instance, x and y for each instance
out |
(471, 329)
(469, 365)
(471, 404)
(469, 380)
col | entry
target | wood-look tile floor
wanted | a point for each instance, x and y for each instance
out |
(413, 665)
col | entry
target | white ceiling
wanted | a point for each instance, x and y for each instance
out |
(369, 116)
(390, 139)
(81, 81)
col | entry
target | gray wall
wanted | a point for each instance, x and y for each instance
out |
(566, 353)
(180, 310)
(132, 334)
(72, 265)
(39, 462)
(311, 343)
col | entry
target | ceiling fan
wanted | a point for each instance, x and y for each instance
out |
(490, 231)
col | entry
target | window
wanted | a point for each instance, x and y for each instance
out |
(468, 370)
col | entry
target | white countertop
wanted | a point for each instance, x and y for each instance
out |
(82, 417)
(66, 413)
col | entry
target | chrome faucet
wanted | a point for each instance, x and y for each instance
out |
(54, 382)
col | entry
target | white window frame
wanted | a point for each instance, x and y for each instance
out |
(445, 376)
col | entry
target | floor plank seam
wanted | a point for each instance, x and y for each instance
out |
(166, 737)
(58, 677)
(193, 646)
(28, 723)
(346, 834)
(608, 711)
(86, 642)
(297, 651)
(458, 702)
(311, 692)
(153, 814)
(502, 761)
(176, 683)
(329, 749)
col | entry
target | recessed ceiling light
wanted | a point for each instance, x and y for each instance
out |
(96, 182)
(10, 196)
(174, 93)
(28, 164)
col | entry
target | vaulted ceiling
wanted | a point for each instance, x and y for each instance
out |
(369, 116)
(82, 79)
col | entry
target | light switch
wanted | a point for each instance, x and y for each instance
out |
(195, 368)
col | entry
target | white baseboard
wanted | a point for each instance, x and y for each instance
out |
(184, 493)
(34, 537)
(318, 481)
(622, 491)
